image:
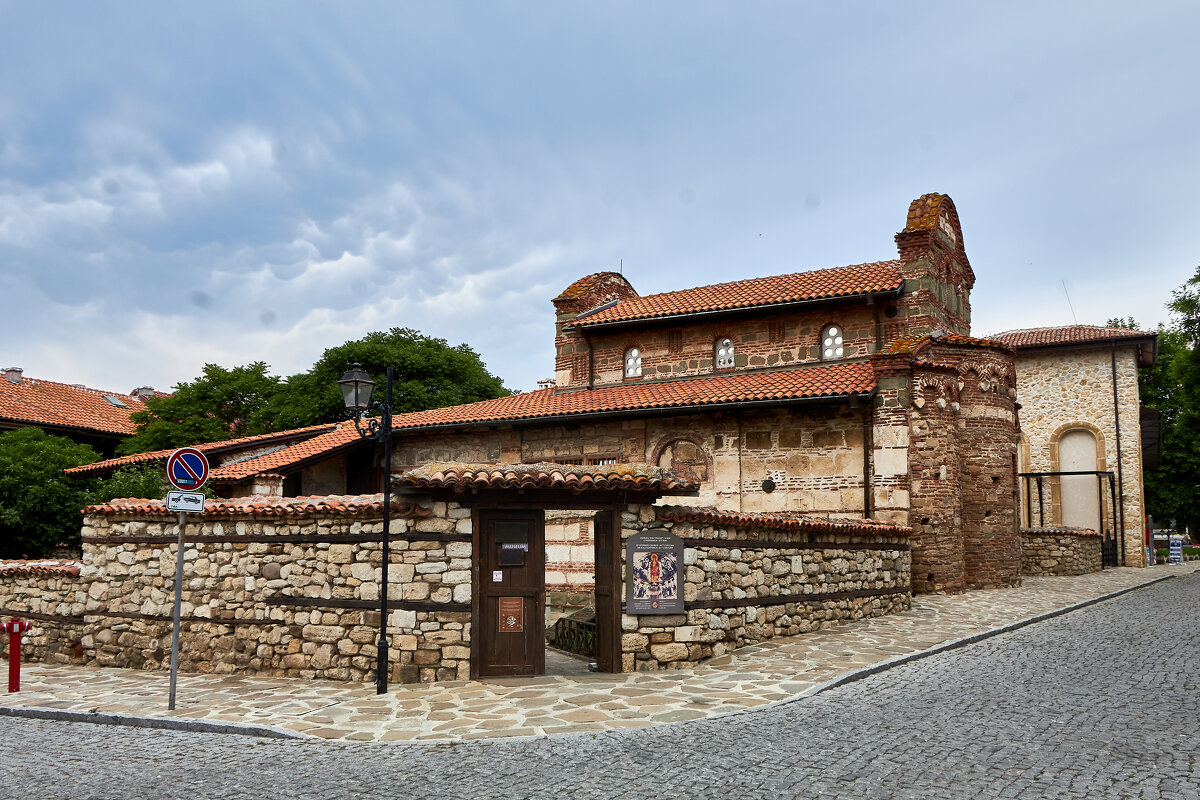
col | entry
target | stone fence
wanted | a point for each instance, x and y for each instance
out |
(290, 586)
(1060, 551)
(752, 577)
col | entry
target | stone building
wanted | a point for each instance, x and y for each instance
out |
(842, 439)
(1081, 413)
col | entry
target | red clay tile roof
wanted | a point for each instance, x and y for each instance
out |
(827, 380)
(340, 505)
(923, 212)
(1067, 335)
(1060, 529)
(206, 448)
(38, 402)
(907, 344)
(341, 437)
(799, 383)
(878, 276)
(610, 477)
(42, 568)
(776, 521)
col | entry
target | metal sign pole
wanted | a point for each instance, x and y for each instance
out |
(175, 620)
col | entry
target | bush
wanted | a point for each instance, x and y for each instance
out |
(39, 505)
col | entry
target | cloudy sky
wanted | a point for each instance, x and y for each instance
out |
(192, 183)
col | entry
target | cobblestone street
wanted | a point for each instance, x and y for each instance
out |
(1098, 703)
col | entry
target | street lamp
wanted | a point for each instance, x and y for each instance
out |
(356, 386)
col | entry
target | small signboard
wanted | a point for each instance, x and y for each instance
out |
(654, 573)
(512, 614)
(185, 501)
(1175, 554)
(187, 469)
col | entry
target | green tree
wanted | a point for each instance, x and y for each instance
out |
(1172, 386)
(221, 404)
(428, 373)
(148, 481)
(39, 505)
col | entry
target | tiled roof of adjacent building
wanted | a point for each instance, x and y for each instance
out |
(907, 344)
(343, 505)
(42, 568)
(569, 477)
(857, 279)
(47, 403)
(342, 436)
(776, 520)
(206, 447)
(1068, 334)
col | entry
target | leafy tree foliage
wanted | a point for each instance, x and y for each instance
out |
(428, 373)
(39, 505)
(1173, 387)
(221, 404)
(148, 481)
(245, 401)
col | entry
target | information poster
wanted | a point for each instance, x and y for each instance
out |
(654, 573)
(512, 614)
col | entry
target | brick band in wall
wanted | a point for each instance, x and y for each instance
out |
(784, 544)
(779, 600)
(282, 538)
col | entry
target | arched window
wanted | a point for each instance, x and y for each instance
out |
(633, 363)
(1080, 495)
(831, 343)
(723, 353)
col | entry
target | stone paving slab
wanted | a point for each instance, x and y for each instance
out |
(781, 670)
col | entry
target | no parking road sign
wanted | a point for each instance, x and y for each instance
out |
(187, 469)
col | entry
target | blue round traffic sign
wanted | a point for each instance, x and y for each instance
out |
(187, 469)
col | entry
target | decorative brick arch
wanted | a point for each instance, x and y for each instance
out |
(693, 460)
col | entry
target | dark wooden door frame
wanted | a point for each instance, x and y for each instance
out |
(483, 621)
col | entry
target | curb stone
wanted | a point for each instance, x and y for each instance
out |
(130, 721)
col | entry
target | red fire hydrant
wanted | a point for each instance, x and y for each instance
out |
(14, 627)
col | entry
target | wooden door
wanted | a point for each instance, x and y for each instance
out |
(605, 534)
(510, 615)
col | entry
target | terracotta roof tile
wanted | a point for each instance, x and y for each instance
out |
(581, 286)
(205, 447)
(43, 567)
(610, 477)
(342, 435)
(879, 276)
(827, 380)
(340, 505)
(777, 521)
(39, 402)
(908, 344)
(923, 212)
(1067, 334)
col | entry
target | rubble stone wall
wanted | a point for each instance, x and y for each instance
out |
(1072, 388)
(53, 601)
(748, 583)
(1060, 551)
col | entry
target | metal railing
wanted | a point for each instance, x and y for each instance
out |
(1107, 506)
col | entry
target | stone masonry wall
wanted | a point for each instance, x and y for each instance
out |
(1060, 551)
(287, 587)
(51, 596)
(1064, 388)
(749, 583)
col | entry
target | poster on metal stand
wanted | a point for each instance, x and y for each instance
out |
(187, 471)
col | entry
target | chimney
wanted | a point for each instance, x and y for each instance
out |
(13, 374)
(142, 392)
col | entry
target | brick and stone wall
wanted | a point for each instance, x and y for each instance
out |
(1060, 551)
(50, 595)
(1071, 388)
(752, 578)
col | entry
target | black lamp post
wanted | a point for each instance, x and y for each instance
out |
(356, 386)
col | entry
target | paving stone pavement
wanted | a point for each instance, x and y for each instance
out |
(1103, 702)
(752, 677)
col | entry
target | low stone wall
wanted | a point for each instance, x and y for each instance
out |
(752, 577)
(288, 586)
(1060, 551)
(50, 595)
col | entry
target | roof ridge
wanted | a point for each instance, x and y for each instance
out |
(886, 262)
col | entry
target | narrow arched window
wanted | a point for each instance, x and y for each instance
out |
(831, 343)
(723, 353)
(633, 363)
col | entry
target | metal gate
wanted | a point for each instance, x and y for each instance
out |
(1110, 510)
